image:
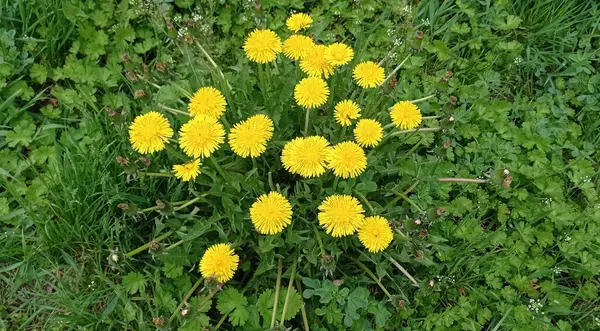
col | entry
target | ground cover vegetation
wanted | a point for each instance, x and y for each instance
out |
(314, 165)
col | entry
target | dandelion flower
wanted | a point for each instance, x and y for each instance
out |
(297, 47)
(345, 111)
(207, 101)
(187, 171)
(149, 132)
(406, 115)
(340, 215)
(271, 213)
(347, 159)
(368, 132)
(311, 92)
(262, 46)
(315, 64)
(249, 137)
(338, 54)
(375, 234)
(201, 136)
(298, 21)
(219, 262)
(305, 156)
(368, 74)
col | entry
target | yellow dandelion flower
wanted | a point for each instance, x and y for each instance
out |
(340, 215)
(249, 137)
(311, 92)
(375, 234)
(338, 54)
(298, 21)
(262, 46)
(271, 213)
(368, 132)
(345, 111)
(149, 132)
(207, 101)
(298, 47)
(187, 171)
(347, 159)
(305, 156)
(219, 262)
(201, 136)
(406, 115)
(315, 64)
(368, 74)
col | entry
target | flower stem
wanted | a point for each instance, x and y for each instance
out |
(303, 310)
(407, 199)
(396, 69)
(156, 174)
(277, 286)
(306, 122)
(218, 167)
(463, 180)
(146, 245)
(289, 290)
(423, 99)
(186, 297)
(372, 275)
(397, 133)
(394, 262)
(319, 240)
(173, 110)
(364, 199)
(194, 200)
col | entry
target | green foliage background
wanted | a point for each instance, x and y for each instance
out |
(519, 252)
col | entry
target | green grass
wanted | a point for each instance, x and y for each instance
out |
(88, 243)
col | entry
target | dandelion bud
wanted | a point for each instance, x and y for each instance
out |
(431, 283)
(418, 221)
(125, 57)
(139, 94)
(158, 321)
(123, 206)
(114, 257)
(506, 172)
(419, 35)
(160, 204)
(451, 118)
(184, 311)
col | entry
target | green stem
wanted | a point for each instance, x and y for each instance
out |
(173, 110)
(190, 202)
(306, 119)
(214, 64)
(395, 70)
(463, 180)
(423, 99)
(270, 180)
(146, 245)
(364, 199)
(372, 275)
(261, 83)
(157, 207)
(186, 297)
(303, 310)
(318, 235)
(156, 174)
(394, 262)
(431, 117)
(218, 167)
(221, 321)
(397, 133)
(407, 199)
(277, 286)
(289, 290)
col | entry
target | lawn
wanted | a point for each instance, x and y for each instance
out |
(304, 165)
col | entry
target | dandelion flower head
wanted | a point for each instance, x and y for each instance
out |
(311, 92)
(262, 46)
(315, 64)
(338, 54)
(345, 111)
(187, 171)
(406, 115)
(375, 234)
(219, 262)
(149, 132)
(368, 132)
(207, 101)
(340, 215)
(271, 213)
(201, 136)
(347, 159)
(305, 156)
(249, 137)
(298, 21)
(368, 74)
(297, 47)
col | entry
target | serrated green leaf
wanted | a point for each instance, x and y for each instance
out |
(134, 282)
